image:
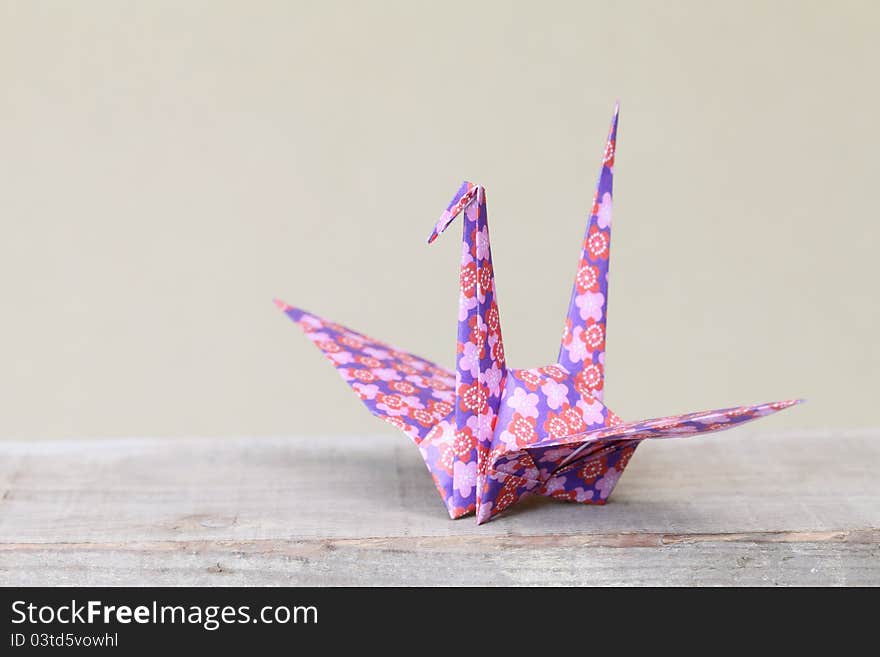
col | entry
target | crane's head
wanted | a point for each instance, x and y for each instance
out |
(466, 194)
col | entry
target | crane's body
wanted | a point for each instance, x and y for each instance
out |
(490, 434)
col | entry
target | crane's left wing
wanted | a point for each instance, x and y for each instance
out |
(409, 392)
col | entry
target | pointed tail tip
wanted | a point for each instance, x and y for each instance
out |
(280, 304)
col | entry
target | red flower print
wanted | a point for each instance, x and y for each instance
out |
(625, 456)
(523, 429)
(439, 384)
(597, 243)
(587, 279)
(329, 346)
(492, 319)
(464, 442)
(404, 368)
(485, 457)
(369, 361)
(403, 387)
(613, 420)
(554, 372)
(423, 417)
(594, 336)
(447, 459)
(351, 342)
(574, 420)
(592, 470)
(484, 277)
(565, 495)
(507, 496)
(439, 409)
(555, 425)
(468, 280)
(498, 352)
(589, 379)
(393, 402)
(532, 380)
(610, 147)
(362, 375)
(472, 397)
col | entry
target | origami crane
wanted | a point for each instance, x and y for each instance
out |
(491, 434)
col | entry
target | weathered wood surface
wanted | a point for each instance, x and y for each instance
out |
(745, 508)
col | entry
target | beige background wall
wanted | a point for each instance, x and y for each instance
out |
(167, 168)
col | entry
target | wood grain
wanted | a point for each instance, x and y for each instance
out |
(749, 508)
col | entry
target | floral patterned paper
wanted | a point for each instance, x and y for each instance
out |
(490, 434)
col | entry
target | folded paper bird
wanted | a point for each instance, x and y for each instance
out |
(491, 434)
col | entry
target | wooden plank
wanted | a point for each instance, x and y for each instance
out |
(746, 509)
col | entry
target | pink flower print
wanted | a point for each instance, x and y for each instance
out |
(412, 401)
(470, 359)
(484, 512)
(465, 305)
(481, 425)
(524, 403)
(320, 337)
(472, 211)
(447, 396)
(466, 257)
(557, 394)
(556, 455)
(380, 354)
(493, 379)
(465, 475)
(590, 304)
(482, 243)
(606, 484)
(555, 484)
(387, 374)
(310, 323)
(603, 218)
(575, 345)
(583, 494)
(341, 358)
(496, 348)
(366, 390)
(592, 412)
